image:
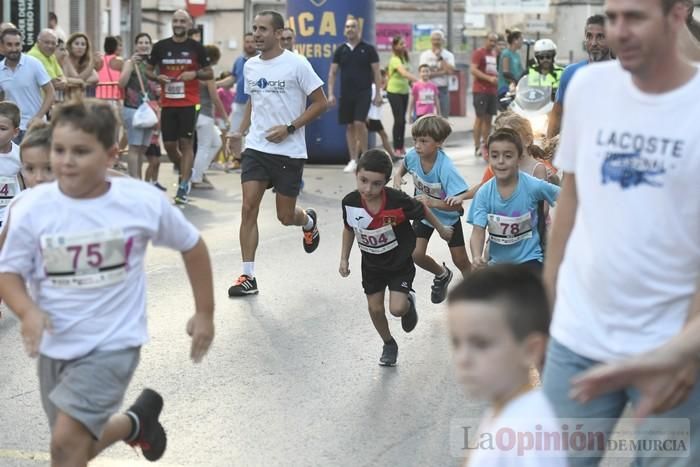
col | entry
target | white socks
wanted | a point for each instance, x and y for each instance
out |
(249, 268)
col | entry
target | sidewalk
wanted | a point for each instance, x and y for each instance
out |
(461, 126)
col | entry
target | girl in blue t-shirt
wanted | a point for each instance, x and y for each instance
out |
(506, 206)
(436, 181)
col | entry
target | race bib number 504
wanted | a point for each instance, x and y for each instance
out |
(506, 230)
(376, 241)
(86, 260)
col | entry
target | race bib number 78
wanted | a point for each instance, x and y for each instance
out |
(506, 230)
(87, 260)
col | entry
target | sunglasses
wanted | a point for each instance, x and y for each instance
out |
(545, 57)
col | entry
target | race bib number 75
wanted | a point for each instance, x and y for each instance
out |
(87, 260)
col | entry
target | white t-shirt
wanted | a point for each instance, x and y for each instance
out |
(375, 112)
(84, 258)
(429, 58)
(632, 262)
(278, 89)
(10, 166)
(525, 417)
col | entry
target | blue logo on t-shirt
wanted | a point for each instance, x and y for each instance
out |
(262, 83)
(629, 170)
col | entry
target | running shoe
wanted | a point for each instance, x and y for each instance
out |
(410, 319)
(311, 237)
(203, 185)
(439, 289)
(151, 437)
(181, 196)
(244, 285)
(159, 186)
(352, 165)
(390, 353)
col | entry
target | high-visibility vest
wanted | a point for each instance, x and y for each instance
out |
(552, 80)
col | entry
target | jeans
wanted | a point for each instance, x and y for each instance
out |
(563, 364)
(444, 97)
(399, 105)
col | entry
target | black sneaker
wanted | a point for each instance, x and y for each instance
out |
(244, 285)
(390, 352)
(151, 437)
(410, 319)
(439, 288)
(181, 196)
(311, 237)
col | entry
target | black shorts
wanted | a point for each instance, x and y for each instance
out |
(485, 104)
(153, 150)
(178, 122)
(282, 172)
(354, 108)
(425, 231)
(375, 125)
(400, 280)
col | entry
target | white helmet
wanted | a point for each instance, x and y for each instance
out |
(545, 45)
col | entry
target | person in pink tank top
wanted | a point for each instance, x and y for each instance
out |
(110, 71)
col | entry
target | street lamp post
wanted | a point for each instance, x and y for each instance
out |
(450, 6)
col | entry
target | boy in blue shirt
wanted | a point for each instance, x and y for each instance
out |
(506, 205)
(436, 179)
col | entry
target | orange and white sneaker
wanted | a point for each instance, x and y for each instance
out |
(311, 237)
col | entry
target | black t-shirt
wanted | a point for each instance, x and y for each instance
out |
(355, 68)
(385, 238)
(172, 59)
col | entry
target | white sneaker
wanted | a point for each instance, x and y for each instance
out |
(351, 167)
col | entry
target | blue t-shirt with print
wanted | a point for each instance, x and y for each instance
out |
(441, 182)
(566, 79)
(512, 223)
(237, 71)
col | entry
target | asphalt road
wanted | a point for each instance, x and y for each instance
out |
(292, 378)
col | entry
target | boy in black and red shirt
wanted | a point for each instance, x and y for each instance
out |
(378, 217)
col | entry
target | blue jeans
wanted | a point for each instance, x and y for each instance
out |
(562, 364)
(444, 97)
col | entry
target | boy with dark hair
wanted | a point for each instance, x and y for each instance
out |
(498, 322)
(378, 218)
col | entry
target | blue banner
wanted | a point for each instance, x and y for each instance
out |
(320, 27)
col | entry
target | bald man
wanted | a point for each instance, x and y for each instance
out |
(44, 51)
(181, 63)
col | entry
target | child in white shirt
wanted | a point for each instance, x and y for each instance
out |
(498, 320)
(81, 244)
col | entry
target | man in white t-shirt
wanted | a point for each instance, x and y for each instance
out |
(442, 64)
(624, 252)
(278, 83)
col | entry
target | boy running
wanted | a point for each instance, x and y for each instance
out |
(10, 164)
(80, 242)
(378, 218)
(436, 179)
(506, 205)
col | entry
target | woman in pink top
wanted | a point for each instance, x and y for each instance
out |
(109, 70)
(424, 97)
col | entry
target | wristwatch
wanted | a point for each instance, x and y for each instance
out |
(291, 128)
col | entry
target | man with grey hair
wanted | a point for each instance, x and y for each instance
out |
(442, 64)
(44, 51)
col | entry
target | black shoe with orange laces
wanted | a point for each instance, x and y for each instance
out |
(244, 285)
(151, 436)
(311, 237)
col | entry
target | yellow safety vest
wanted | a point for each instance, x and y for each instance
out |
(552, 80)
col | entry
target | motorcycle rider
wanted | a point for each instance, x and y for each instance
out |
(545, 73)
